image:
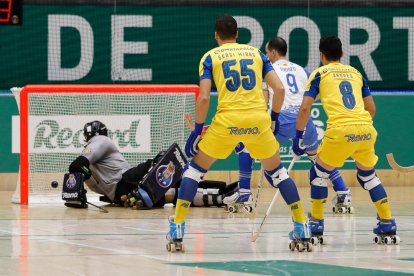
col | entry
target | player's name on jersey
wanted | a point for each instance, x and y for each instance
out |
(347, 69)
(342, 75)
(288, 69)
(232, 55)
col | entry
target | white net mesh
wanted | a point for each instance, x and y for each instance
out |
(141, 124)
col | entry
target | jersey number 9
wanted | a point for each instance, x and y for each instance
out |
(291, 81)
(348, 98)
(234, 83)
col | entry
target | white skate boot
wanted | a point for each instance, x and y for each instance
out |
(241, 199)
(342, 203)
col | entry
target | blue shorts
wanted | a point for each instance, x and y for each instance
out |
(287, 131)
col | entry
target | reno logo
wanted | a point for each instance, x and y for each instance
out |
(64, 134)
(165, 174)
(242, 131)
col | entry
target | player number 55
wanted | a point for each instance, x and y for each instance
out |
(233, 75)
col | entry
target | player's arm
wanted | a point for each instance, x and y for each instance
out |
(311, 93)
(304, 112)
(203, 101)
(369, 103)
(278, 90)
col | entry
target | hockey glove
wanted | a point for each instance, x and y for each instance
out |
(191, 148)
(275, 122)
(298, 147)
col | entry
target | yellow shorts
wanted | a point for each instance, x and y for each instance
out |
(342, 142)
(229, 128)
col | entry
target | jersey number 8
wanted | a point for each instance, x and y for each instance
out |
(348, 98)
(234, 83)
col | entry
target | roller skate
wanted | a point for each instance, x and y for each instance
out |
(317, 227)
(175, 236)
(342, 203)
(300, 237)
(240, 200)
(385, 232)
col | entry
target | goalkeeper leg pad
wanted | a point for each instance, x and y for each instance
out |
(162, 176)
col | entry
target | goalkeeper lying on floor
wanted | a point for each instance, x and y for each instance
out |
(152, 183)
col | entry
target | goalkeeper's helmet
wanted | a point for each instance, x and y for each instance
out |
(94, 128)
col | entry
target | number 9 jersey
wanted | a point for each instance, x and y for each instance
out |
(237, 71)
(341, 89)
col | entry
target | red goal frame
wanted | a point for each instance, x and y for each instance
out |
(75, 88)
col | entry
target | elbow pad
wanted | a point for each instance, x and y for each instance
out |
(81, 165)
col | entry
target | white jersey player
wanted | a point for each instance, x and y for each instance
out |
(294, 78)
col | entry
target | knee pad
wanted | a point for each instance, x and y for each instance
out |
(194, 172)
(368, 182)
(277, 177)
(318, 177)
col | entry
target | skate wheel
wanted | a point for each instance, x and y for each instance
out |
(309, 247)
(232, 209)
(168, 245)
(351, 210)
(248, 209)
(387, 240)
(377, 240)
(124, 197)
(334, 209)
(182, 248)
(342, 210)
(292, 246)
(300, 247)
(321, 241)
(173, 247)
(396, 240)
(132, 200)
(314, 240)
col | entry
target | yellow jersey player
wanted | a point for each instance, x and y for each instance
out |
(237, 70)
(348, 103)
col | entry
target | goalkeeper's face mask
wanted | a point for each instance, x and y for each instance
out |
(94, 128)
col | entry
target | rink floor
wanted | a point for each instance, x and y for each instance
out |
(50, 239)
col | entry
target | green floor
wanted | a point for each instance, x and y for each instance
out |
(288, 268)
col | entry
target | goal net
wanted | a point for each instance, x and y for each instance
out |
(141, 119)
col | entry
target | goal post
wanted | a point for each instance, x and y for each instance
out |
(141, 119)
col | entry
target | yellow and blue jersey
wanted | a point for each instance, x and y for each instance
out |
(238, 71)
(341, 89)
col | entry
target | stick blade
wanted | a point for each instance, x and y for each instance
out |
(394, 165)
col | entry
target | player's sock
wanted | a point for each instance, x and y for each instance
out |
(280, 179)
(245, 170)
(191, 177)
(318, 177)
(337, 181)
(369, 181)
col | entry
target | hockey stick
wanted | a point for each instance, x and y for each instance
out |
(252, 215)
(256, 235)
(396, 167)
(100, 208)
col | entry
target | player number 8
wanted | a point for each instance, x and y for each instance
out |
(348, 98)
